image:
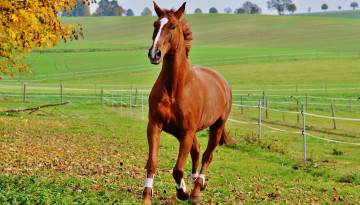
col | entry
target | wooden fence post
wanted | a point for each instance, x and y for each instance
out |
(284, 116)
(102, 96)
(61, 93)
(298, 115)
(24, 93)
(267, 110)
(333, 114)
(264, 95)
(242, 105)
(136, 93)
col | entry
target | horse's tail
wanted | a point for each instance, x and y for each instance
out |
(225, 138)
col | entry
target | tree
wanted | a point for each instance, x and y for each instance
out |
(354, 5)
(339, 7)
(114, 3)
(292, 8)
(87, 10)
(146, 12)
(118, 11)
(107, 8)
(213, 10)
(251, 8)
(324, 7)
(239, 11)
(198, 11)
(228, 10)
(26, 25)
(78, 10)
(129, 12)
(309, 9)
(103, 8)
(280, 5)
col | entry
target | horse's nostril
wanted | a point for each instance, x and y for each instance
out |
(149, 55)
(158, 54)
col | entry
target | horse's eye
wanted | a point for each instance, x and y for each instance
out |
(154, 25)
(173, 27)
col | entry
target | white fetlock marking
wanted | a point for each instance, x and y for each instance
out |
(193, 177)
(202, 176)
(182, 185)
(149, 183)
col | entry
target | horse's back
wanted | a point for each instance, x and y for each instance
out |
(218, 95)
(213, 80)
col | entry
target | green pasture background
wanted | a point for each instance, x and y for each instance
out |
(85, 153)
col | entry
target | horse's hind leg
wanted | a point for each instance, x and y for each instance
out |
(214, 138)
(195, 155)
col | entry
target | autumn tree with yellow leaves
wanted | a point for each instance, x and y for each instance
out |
(29, 24)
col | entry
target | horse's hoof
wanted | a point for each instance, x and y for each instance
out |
(183, 196)
(147, 202)
(147, 196)
(195, 199)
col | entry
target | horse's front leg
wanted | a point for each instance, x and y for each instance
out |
(195, 154)
(182, 192)
(153, 135)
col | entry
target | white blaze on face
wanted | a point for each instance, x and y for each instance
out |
(163, 21)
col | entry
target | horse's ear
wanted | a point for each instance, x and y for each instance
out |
(180, 11)
(158, 10)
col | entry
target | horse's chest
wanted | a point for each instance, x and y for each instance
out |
(178, 120)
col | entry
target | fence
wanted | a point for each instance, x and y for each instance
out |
(260, 123)
(205, 62)
(303, 132)
(128, 101)
(94, 94)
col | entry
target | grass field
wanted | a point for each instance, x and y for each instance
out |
(353, 14)
(215, 36)
(84, 153)
(99, 158)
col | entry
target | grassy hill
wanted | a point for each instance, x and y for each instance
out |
(352, 14)
(252, 31)
(215, 36)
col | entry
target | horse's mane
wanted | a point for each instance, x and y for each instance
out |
(186, 32)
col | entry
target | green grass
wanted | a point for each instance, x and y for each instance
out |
(100, 159)
(246, 31)
(215, 36)
(353, 14)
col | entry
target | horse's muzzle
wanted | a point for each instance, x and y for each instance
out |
(155, 57)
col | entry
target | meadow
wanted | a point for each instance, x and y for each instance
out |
(353, 14)
(87, 153)
(215, 37)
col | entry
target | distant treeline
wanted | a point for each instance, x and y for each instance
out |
(112, 8)
(106, 8)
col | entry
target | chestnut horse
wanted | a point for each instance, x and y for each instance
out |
(183, 101)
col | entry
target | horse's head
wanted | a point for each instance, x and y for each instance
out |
(167, 33)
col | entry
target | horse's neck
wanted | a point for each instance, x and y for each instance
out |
(176, 70)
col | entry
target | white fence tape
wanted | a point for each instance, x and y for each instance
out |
(332, 140)
(338, 118)
(232, 120)
(280, 129)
